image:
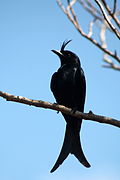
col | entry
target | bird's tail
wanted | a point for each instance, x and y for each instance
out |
(71, 145)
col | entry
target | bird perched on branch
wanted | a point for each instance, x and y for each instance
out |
(69, 89)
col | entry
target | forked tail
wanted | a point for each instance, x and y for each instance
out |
(71, 145)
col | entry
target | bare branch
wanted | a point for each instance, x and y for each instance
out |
(70, 4)
(91, 9)
(117, 33)
(78, 27)
(112, 14)
(112, 66)
(115, 5)
(90, 33)
(110, 63)
(63, 109)
(103, 35)
(106, 59)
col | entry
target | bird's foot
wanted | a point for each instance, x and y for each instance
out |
(74, 110)
(56, 104)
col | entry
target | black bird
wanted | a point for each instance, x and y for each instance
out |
(69, 89)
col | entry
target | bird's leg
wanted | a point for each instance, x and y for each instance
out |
(74, 109)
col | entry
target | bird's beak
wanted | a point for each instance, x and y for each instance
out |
(57, 52)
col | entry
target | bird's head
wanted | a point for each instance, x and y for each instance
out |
(67, 57)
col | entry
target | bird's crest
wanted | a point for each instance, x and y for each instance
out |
(64, 44)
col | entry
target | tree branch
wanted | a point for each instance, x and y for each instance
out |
(69, 11)
(112, 14)
(88, 6)
(117, 33)
(63, 109)
(115, 5)
(110, 63)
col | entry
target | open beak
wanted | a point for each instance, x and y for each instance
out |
(57, 52)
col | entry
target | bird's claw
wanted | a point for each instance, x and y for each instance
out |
(73, 110)
(56, 104)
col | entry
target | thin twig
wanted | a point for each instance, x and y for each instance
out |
(90, 33)
(106, 59)
(69, 7)
(90, 4)
(112, 14)
(91, 9)
(63, 109)
(113, 66)
(117, 33)
(103, 35)
(110, 63)
(114, 7)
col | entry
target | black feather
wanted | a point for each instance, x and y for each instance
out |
(64, 44)
(68, 85)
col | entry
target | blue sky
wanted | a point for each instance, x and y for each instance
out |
(31, 138)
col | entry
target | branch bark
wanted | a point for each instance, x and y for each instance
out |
(63, 109)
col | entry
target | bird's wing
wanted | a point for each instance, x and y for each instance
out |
(54, 86)
(76, 90)
(79, 89)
